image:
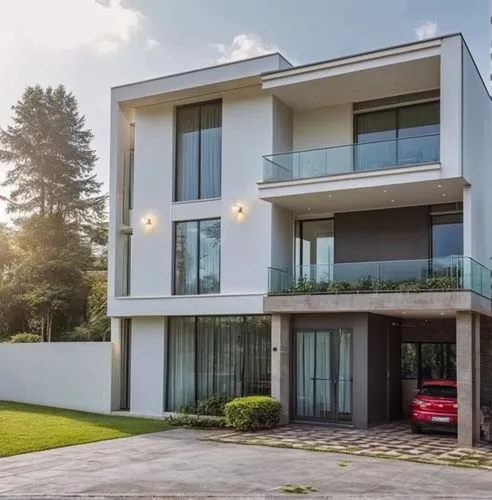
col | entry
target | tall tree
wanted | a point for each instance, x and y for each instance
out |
(48, 272)
(52, 163)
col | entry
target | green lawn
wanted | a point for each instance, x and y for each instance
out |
(25, 428)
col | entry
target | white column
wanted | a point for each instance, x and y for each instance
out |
(467, 330)
(281, 363)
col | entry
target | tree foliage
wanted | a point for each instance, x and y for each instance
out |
(52, 163)
(59, 218)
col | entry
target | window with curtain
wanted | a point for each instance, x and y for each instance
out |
(198, 151)
(197, 257)
(213, 355)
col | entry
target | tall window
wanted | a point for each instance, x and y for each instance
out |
(401, 136)
(315, 249)
(199, 145)
(128, 173)
(197, 257)
(447, 235)
(127, 264)
(213, 355)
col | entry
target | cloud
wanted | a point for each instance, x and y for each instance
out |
(426, 29)
(63, 25)
(151, 43)
(243, 47)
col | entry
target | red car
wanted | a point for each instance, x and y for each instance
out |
(435, 406)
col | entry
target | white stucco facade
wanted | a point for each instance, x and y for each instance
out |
(269, 107)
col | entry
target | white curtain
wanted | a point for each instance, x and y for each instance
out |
(181, 373)
(345, 373)
(188, 151)
(210, 149)
(223, 354)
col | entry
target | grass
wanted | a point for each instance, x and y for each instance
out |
(25, 428)
(301, 489)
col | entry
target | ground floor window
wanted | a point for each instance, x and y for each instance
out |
(425, 360)
(210, 355)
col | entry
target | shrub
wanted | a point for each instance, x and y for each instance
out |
(183, 420)
(442, 283)
(213, 406)
(25, 338)
(252, 413)
(187, 409)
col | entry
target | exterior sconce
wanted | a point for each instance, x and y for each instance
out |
(148, 223)
(238, 211)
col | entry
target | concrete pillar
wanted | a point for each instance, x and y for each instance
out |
(476, 377)
(467, 335)
(281, 342)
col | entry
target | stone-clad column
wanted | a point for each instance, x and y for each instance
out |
(467, 337)
(281, 385)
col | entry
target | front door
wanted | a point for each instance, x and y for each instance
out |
(324, 375)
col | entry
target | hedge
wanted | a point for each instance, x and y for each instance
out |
(253, 413)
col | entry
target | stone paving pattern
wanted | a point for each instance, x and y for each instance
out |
(386, 441)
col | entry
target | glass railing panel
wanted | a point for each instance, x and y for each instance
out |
(448, 273)
(351, 158)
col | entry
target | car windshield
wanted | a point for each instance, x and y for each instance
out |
(439, 391)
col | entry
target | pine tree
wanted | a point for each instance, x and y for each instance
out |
(52, 163)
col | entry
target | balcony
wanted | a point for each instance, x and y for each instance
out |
(454, 273)
(352, 158)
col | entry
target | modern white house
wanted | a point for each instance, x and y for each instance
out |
(321, 233)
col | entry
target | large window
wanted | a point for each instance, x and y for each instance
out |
(401, 136)
(447, 235)
(425, 361)
(198, 151)
(213, 355)
(197, 257)
(315, 249)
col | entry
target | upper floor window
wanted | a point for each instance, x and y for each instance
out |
(197, 257)
(401, 136)
(199, 150)
(447, 235)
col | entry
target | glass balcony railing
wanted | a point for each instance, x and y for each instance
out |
(364, 157)
(449, 273)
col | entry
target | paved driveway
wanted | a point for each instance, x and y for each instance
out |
(177, 462)
(385, 441)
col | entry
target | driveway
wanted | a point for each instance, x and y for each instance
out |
(385, 441)
(178, 462)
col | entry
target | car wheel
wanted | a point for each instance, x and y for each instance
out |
(416, 429)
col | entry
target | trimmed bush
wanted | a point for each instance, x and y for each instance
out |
(253, 413)
(25, 338)
(188, 409)
(213, 406)
(184, 420)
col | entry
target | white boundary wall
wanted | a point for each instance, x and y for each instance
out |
(75, 375)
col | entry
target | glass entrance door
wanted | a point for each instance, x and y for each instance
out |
(324, 375)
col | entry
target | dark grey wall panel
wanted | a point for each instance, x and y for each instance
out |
(396, 234)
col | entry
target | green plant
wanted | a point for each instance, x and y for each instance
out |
(365, 283)
(187, 409)
(303, 285)
(204, 422)
(252, 413)
(339, 286)
(25, 338)
(213, 405)
(442, 283)
(301, 489)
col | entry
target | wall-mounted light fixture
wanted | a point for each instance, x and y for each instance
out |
(148, 222)
(238, 210)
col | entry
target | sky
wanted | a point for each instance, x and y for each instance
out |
(92, 45)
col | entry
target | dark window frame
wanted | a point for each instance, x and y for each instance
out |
(199, 105)
(174, 232)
